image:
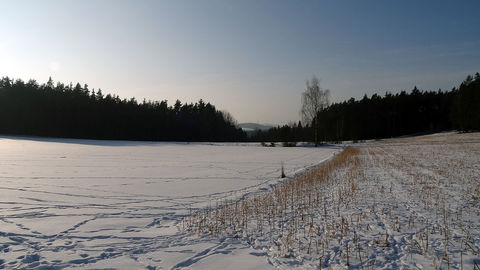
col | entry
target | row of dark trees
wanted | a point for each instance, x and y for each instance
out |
(390, 115)
(288, 134)
(28, 108)
(466, 105)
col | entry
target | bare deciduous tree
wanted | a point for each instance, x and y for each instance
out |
(314, 99)
(229, 118)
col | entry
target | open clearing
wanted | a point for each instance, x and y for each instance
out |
(114, 204)
(408, 203)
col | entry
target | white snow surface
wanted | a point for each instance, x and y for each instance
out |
(407, 203)
(115, 204)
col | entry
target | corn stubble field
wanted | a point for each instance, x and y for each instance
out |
(409, 203)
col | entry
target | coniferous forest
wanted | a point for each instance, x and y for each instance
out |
(67, 111)
(390, 115)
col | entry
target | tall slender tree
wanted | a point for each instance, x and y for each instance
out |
(314, 100)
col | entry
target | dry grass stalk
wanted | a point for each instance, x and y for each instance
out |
(289, 207)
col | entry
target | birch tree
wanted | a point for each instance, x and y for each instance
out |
(314, 99)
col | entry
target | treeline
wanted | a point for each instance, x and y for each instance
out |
(466, 105)
(67, 111)
(390, 115)
(289, 135)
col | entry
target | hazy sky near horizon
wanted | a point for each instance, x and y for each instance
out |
(250, 58)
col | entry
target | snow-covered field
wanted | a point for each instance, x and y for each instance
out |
(112, 204)
(409, 203)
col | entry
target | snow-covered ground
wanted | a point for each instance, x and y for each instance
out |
(114, 204)
(408, 203)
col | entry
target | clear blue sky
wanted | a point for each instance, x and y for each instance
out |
(250, 58)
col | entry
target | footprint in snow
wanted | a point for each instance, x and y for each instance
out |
(30, 258)
(5, 248)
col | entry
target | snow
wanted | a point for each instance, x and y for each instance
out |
(408, 203)
(68, 203)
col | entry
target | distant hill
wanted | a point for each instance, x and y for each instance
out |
(251, 128)
(254, 126)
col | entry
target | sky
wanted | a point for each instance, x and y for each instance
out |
(251, 58)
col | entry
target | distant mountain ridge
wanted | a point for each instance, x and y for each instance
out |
(254, 126)
(251, 128)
